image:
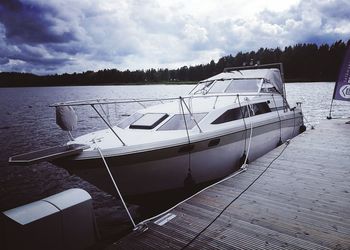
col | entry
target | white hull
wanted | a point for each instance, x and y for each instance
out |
(169, 167)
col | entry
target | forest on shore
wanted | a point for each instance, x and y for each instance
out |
(302, 62)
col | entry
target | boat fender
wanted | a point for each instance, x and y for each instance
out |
(66, 118)
(302, 129)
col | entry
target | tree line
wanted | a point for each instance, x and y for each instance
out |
(301, 62)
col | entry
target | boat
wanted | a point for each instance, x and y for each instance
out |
(225, 122)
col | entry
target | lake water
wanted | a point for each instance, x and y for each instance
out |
(28, 123)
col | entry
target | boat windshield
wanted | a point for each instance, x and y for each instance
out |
(228, 86)
(244, 86)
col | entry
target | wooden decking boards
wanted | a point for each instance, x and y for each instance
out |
(302, 201)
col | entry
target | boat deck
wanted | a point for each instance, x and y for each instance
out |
(300, 201)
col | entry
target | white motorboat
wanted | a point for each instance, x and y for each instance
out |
(233, 117)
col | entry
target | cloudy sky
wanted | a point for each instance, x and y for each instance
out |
(51, 36)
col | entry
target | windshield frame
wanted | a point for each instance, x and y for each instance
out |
(207, 85)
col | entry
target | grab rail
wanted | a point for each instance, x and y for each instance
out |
(123, 101)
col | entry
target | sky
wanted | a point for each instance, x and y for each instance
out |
(51, 36)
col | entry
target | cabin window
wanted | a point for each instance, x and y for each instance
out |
(177, 122)
(127, 121)
(148, 121)
(238, 113)
(232, 115)
(243, 86)
(260, 108)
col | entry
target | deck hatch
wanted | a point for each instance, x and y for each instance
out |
(149, 121)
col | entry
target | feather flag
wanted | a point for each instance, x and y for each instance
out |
(342, 86)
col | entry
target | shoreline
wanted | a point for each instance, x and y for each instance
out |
(135, 84)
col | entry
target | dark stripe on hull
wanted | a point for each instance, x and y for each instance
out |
(167, 168)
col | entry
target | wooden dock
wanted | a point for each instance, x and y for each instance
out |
(300, 201)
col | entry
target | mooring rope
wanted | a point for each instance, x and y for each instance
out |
(246, 150)
(116, 187)
(279, 118)
(189, 178)
(244, 166)
(228, 205)
(142, 223)
(309, 123)
(245, 125)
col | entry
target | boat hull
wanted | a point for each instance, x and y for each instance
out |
(183, 165)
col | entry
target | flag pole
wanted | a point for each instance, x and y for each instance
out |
(330, 111)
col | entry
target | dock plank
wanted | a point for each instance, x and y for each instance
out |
(302, 201)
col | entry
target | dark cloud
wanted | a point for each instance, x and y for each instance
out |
(35, 58)
(49, 36)
(4, 60)
(339, 9)
(312, 21)
(32, 23)
(35, 36)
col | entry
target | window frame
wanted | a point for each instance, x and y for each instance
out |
(151, 125)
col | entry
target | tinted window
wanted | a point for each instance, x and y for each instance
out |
(148, 121)
(261, 108)
(238, 113)
(177, 122)
(231, 115)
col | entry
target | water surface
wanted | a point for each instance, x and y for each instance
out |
(28, 123)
